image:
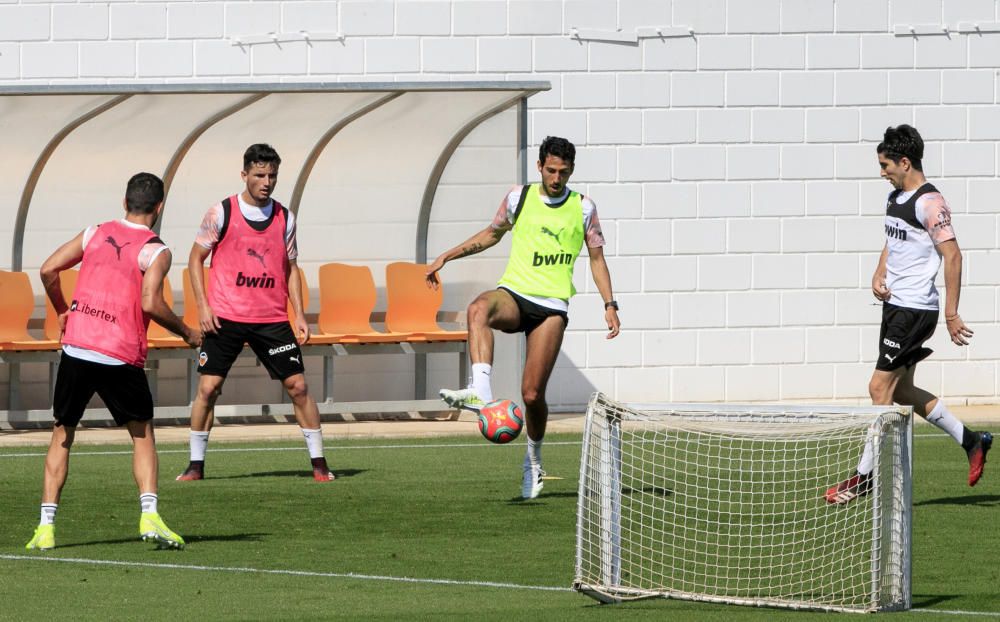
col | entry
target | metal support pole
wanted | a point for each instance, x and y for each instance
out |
(13, 386)
(327, 377)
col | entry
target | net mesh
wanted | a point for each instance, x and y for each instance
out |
(727, 505)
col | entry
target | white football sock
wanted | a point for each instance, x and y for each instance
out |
(867, 463)
(199, 445)
(867, 459)
(314, 441)
(147, 502)
(533, 455)
(481, 381)
(943, 419)
(48, 513)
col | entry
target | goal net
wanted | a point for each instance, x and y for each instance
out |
(726, 504)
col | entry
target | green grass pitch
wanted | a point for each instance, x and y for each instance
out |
(266, 542)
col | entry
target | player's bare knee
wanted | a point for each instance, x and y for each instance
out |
(64, 436)
(478, 312)
(297, 388)
(533, 398)
(881, 392)
(209, 392)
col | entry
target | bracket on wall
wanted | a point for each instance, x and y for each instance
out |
(971, 28)
(920, 30)
(622, 36)
(285, 37)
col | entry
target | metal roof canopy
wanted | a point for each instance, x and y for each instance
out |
(73, 145)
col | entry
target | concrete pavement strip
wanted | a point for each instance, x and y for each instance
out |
(976, 417)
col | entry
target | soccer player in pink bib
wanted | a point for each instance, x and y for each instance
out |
(253, 277)
(120, 287)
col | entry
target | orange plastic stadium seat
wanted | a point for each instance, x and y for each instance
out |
(305, 299)
(347, 298)
(67, 282)
(190, 304)
(158, 336)
(17, 302)
(413, 306)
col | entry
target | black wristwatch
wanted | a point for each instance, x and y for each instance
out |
(612, 304)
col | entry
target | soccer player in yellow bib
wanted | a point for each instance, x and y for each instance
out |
(550, 223)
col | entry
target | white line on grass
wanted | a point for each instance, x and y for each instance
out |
(953, 612)
(358, 577)
(128, 452)
(296, 573)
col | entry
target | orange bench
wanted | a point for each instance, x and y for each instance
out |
(347, 301)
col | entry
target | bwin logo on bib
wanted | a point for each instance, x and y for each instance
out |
(280, 349)
(259, 282)
(553, 259)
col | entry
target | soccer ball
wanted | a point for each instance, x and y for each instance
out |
(500, 421)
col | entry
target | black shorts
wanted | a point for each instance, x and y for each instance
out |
(532, 314)
(902, 336)
(273, 343)
(123, 388)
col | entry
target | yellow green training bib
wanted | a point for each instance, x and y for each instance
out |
(547, 240)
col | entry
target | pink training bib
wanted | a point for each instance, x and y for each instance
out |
(249, 268)
(106, 311)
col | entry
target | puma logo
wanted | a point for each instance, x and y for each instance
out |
(252, 253)
(549, 232)
(118, 249)
(892, 359)
(295, 358)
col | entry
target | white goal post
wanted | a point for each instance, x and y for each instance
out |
(725, 503)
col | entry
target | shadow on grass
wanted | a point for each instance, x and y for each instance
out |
(649, 490)
(232, 537)
(304, 473)
(981, 500)
(237, 537)
(518, 500)
(923, 601)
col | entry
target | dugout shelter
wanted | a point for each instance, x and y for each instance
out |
(375, 172)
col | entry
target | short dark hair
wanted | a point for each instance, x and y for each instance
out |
(903, 141)
(143, 193)
(558, 147)
(260, 153)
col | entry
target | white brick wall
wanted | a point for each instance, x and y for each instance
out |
(25, 23)
(10, 61)
(734, 170)
(201, 20)
(806, 16)
(834, 52)
(784, 52)
(81, 22)
(862, 15)
(423, 18)
(367, 17)
(139, 21)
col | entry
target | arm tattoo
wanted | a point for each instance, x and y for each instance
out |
(472, 249)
